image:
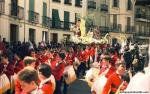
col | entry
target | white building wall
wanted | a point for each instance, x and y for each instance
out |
(6, 20)
(122, 13)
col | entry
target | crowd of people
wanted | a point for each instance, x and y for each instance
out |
(29, 69)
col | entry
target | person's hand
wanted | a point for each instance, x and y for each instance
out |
(130, 73)
(93, 92)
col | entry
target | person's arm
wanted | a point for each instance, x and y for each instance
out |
(107, 86)
(18, 89)
(130, 74)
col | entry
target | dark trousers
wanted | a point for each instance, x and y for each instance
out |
(81, 69)
(88, 64)
(58, 87)
(65, 90)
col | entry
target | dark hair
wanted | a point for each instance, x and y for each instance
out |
(28, 74)
(119, 62)
(62, 55)
(45, 70)
(112, 50)
(28, 60)
(4, 55)
(31, 50)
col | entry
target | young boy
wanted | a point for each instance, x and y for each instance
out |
(28, 79)
(28, 61)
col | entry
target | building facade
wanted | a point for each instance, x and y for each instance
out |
(142, 23)
(115, 17)
(37, 20)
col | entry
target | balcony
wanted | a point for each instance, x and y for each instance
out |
(142, 34)
(104, 7)
(91, 5)
(16, 11)
(115, 27)
(2, 6)
(104, 29)
(33, 17)
(57, 1)
(140, 15)
(63, 25)
(69, 2)
(46, 21)
(130, 29)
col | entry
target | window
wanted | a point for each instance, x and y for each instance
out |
(2, 6)
(77, 17)
(56, 0)
(78, 3)
(45, 36)
(115, 3)
(66, 20)
(14, 7)
(148, 29)
(31, 10)
(129, 5)
(137, 28)
(129, 21)
(103, 20)
(114, 19)
(44, 13)
(66, 37)
(67, 2)
(32, 35)
(143, 30)
(14, 32)
(54, 37)
(129, 29)
(55, 19)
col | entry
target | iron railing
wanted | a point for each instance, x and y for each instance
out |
(16, 11)
(33, 17)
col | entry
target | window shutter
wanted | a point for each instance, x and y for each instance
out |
(66, 20)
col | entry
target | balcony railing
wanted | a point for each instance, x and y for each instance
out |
(46, 21)
(57, 1)
(143, 16)
(140, 16)
(104, 7)
(16, 11)
(130, 29)
(2, 6)
(63, 25)
(69, 2)
(142, 34)
(115, 27)
(33, 17)
(92, 4)
(104, 29)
